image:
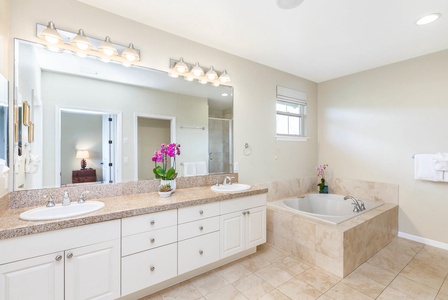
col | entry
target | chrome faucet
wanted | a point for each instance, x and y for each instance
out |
(50, 202)
(227, 180)
(82, 197)
(66, 200)
(359, 204)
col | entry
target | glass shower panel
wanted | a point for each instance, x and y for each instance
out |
(220, 145)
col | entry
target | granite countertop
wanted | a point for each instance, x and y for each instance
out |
(117, 208)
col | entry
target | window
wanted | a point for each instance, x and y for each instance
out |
(291, 114)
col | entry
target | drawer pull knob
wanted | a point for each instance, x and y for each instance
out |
(244, 213)
(201, 212)
(201, 227)
(58, 258)
(152, 268)
(152, 240)
(201, 252)
(70, 255)
(152, 222)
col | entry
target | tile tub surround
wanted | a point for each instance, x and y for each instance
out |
(364, 190)
(338, 249)
(118, 207)
(29, 198)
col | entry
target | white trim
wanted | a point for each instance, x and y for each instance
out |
(422, 240)
(292, 138)
(150, 116)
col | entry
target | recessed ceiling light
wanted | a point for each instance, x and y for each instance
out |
(288, 4)
(428, 19)
(224, 94)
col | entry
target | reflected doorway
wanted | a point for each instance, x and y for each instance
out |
(88, 147)
(152, 131)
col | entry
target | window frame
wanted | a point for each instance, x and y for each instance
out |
(290, 96)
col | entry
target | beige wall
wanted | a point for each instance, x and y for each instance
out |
(371, 123)
(254, 99)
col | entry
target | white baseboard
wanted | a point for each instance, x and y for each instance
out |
(423, 240)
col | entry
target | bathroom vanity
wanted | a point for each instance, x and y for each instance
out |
(136, 245)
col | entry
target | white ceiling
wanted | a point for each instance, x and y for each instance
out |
(319, 40)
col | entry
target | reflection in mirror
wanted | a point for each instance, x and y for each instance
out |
(71, 100)
(3, 123)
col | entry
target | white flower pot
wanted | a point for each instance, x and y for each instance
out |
(172, 183)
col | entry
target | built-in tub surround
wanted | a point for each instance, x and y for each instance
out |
(341, 248)
(29, 198)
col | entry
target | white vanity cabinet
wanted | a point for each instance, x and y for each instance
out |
(149, 250)
(87, 265)
(242, 224)
(198, 236)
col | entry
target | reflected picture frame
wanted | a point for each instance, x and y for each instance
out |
(26, 113)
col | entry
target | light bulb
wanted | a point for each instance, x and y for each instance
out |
(211, 74)
(51, 39)
(197, 70)
(181, 66)
(189, 78)
(130, 53)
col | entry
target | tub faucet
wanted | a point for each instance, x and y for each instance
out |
(359, 205)
(227, 179)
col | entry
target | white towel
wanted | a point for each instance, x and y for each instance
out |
(32, 163)
(424, 168)
(189, 169)
(201, 168)
(441, 161)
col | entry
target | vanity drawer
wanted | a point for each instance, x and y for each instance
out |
(239, 204)
(198, 212)
(147, 268)
(197, 228)
(148, 240)
(197, 252)
(138, 224)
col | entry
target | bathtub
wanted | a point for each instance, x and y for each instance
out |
(326, 207)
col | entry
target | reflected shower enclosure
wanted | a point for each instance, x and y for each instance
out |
(220, 145)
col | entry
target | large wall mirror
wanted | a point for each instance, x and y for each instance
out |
(83, 121)
(3, 123)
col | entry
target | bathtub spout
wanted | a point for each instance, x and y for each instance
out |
(359, 204)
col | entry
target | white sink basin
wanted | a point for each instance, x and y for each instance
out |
(228, 188)
(61, 212)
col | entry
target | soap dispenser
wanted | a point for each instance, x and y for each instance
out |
(66, 200)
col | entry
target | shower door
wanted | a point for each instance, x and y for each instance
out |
(220, 145)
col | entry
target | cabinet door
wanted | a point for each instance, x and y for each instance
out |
(93, 272)
(255, 226)
(41, 277)
(232, 233)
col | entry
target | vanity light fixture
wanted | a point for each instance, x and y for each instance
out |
(211, 74)
(81, 41)
(288, 4)
(197, 70)
(428, 19)
(191, 72)
(224, 78)
(79, 44)
(130, 53)
(51, 35)
(181, 66)
(107, 47)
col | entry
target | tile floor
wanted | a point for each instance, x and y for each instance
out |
(402, 270)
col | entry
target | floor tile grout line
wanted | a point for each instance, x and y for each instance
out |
(440, 288)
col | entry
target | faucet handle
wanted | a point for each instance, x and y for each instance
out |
(50, 202)
(81, 197)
